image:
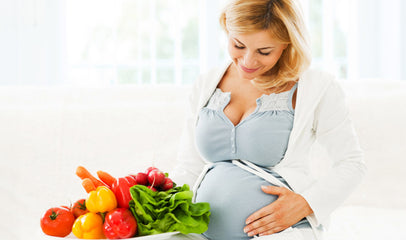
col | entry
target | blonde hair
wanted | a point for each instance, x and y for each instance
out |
(284, 21)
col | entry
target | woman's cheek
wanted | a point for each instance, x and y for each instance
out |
(233, 52)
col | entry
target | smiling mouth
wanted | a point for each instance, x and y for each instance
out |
(248, 70)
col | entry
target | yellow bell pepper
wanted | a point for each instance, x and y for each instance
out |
(88, 226)
(101, 200)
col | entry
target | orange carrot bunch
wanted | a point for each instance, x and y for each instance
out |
(90, 182)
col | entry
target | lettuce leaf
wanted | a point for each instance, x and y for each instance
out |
(168, 211)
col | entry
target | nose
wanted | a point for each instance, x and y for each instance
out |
(249, 60)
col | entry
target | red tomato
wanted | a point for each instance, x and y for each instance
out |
(79, 208)
(57, 221)
(120, 223)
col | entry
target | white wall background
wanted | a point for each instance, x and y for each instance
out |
(33, 38)
(31, 42)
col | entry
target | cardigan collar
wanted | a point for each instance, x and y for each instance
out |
(211, 82)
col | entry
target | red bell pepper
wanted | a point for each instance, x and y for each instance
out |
(120, 223)
(121, 188)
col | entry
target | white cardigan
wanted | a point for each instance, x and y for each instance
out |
(321, 114)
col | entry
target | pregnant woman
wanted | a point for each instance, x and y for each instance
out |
(251, 125)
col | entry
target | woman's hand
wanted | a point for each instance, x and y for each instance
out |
(287, 210)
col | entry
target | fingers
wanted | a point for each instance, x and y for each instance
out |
(269, 219)
(265, 220)
(261, 213)
(263, 226)
(270, 208)
(274, 190)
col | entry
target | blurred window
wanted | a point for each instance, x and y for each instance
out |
(172, 41)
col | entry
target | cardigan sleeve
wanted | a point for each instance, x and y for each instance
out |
(189, 163)
(335, 132)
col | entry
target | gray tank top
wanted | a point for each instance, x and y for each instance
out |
(261, 138)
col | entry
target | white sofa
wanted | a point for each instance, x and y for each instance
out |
(46, 132)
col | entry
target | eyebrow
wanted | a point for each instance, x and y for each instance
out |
(258, 48)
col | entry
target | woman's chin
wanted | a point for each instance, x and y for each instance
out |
(249, 75)
(246, 76)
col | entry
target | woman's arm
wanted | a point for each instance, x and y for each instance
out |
(189, 163)
(334, 131)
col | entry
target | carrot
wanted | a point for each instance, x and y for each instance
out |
(83, 174)
(88, 185)
(106, 178)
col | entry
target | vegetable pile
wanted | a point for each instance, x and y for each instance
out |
(135, 205)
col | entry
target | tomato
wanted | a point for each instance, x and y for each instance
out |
(120, 223)
(79, 208)
(57, 221)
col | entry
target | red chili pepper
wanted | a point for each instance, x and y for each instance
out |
(121, 188)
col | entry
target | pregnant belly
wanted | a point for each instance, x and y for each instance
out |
(233, 194)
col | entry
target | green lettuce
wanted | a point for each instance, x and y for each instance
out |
(168, 211)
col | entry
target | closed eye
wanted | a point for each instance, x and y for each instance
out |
(238, 45)
(264, 53)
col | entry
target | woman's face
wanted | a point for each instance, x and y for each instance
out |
(254, 53)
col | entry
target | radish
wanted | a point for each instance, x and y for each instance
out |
(150, 169)
(152, 188)
(168, 184)
(156, 178)
(142, 179)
